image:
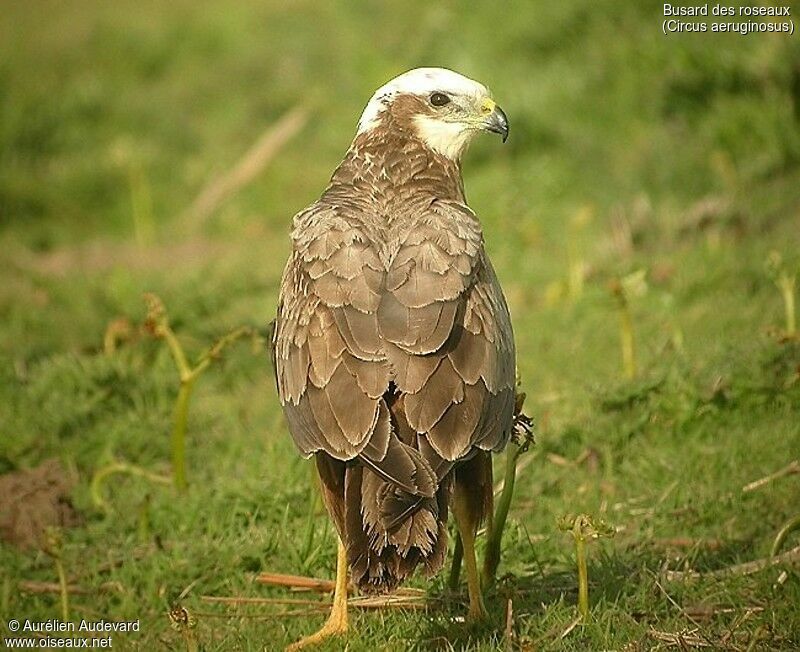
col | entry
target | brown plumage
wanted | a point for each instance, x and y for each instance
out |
(393, 348)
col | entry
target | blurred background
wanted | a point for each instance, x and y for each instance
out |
(644, 220)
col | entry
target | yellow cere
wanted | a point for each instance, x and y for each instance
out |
(488, 105)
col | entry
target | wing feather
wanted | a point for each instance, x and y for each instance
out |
(424, 318)
(426, 407)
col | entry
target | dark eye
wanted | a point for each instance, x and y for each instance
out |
(439, 99)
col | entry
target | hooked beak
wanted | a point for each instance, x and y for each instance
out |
(497, 122)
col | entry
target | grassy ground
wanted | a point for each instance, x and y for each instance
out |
(629, 151)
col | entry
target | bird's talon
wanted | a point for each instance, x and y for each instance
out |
(333, 627)
(337, 624)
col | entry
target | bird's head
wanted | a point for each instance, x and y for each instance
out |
(442, 108)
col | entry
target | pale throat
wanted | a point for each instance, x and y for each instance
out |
(450, 139)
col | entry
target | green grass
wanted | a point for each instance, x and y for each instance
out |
(683, 149)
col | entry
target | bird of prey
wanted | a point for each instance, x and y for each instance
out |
(393, 346)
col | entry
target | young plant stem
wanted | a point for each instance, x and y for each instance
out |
(521, 440)
(179, 432)
(455, 568)
(575, 262)
(175, 348)
(575, 274)
(494, 540)
(95, 488)
(53, 548)
(788, 527)
(786, 284)
(623, 289)
(627, 341)
(159, 325)
(184, 622)
(191, 641)
(62, 588)
(583, 574)
(582, 528)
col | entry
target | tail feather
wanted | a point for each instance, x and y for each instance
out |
(390, 531)
(404, 467)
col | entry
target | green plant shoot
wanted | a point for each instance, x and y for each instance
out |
(790, 526)
(623, 290)
(53, 548)
(158, 324)
(184, 622)
(521, 440)
(100, 476)
(786, 283)
(583, 528)
(576, 263)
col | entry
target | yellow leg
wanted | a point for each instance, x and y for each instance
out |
(467, 527)
(337, 621)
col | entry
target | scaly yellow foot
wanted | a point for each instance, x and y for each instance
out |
(336, 624)
(477, 610)
(467, 525)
